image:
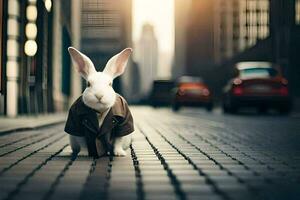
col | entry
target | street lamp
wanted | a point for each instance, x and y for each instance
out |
(31, 13)
(48, 5)
(31, 30)
(30, 46)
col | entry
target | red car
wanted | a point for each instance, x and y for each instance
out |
(192, 91)
(257, 84)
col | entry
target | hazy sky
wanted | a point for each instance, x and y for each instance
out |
(160, 13)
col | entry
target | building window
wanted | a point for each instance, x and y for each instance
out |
(236, 26)
(256, 21)
(297, 12)
(242, 23)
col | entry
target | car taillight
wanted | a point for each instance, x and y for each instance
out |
(237, 81)
(205, 92)
(181, 92)
(284, 81)
(284, 91)
(238, 91)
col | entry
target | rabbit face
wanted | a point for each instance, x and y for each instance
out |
(99, 94)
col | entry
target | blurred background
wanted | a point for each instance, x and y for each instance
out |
(186, 52)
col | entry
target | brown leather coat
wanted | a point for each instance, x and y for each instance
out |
(82, 121)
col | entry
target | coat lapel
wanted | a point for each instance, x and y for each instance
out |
(108, 124)
(90, 120)
(89, 117)
(91, 123)
(113, 116)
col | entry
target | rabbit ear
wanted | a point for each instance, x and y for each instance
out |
(117, 64)
(83, 64)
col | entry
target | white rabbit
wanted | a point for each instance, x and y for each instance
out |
(99, 95)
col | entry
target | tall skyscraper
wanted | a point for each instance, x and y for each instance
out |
(147, 59)
(181, 9)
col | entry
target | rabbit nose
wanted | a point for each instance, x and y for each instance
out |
(98, 96)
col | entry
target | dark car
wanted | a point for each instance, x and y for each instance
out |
(161, 93)
(192, 91)
(257, 84)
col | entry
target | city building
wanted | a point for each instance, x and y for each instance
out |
(209, 32)
(2, 38)
(199, 36)
(34, 35)
(66, 32)
(194, 37)
(239, 24)
(181, 9)
(297, 12)
(146, 56)
(106, 30)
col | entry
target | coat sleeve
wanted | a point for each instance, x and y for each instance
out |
(73, 124)
(126, 125)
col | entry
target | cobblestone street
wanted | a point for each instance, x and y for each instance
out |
(190, 155)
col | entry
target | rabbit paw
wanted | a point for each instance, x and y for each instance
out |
(119, 152)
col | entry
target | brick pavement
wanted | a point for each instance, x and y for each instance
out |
(171, 157)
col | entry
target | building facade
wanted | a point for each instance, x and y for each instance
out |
(146, 57)
(181, 9)
(194, 52)
(3, 16)
(199, 38)
(297, 12)
(106, 30)
(33, 34)
(239, 25)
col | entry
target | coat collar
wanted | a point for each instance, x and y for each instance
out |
(116, 110)
(113, 116)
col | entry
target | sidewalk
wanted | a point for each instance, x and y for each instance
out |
(8, 125)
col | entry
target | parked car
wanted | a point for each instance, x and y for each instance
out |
(192, 91)
(161, 93)
(257, 84)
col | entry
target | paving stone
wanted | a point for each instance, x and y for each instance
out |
(158, 188)
(191, 188)
(154, 181)
(191, 179)
(153, 196)
(145, 173)
(204, 196)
